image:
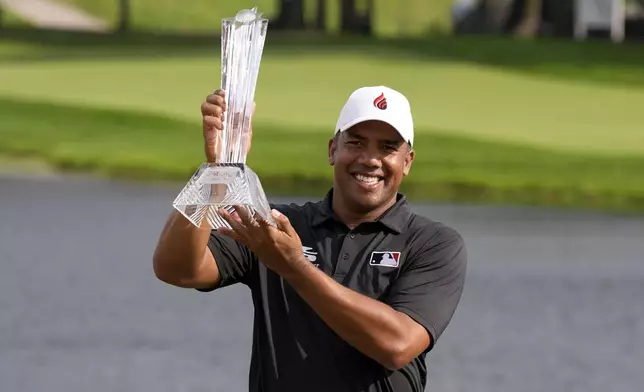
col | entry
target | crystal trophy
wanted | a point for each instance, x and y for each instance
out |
(229, 181)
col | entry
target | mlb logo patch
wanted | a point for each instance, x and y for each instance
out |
(385, 259)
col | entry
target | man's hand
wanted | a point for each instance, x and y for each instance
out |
(213, 110)
(279, 248)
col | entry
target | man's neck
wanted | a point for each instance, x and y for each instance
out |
(352, 219)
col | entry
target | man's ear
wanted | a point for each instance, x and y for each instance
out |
(332, 149)
(409, 159)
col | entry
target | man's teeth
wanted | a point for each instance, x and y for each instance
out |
(367, 179)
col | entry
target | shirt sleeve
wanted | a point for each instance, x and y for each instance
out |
(429, 288)
(233, 259)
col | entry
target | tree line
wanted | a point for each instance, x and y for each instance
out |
(290, 16)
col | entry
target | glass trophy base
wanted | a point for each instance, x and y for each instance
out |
(217, 186)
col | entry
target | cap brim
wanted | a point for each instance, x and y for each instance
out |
(370, 118)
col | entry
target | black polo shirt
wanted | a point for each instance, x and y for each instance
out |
(415, 265)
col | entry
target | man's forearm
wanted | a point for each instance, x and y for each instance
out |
(372, 327)
(179, 254)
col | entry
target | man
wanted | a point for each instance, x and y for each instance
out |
(350, 292)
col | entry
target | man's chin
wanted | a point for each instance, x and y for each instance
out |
(367, 202)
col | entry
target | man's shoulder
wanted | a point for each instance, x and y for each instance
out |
(427, 232)
(294, 210)
(433, 242)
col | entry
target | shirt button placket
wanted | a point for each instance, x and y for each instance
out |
(345, 261)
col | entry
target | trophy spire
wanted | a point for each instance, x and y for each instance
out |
(229, 181)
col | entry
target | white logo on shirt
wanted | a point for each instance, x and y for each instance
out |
(385, 259)
(310, 254)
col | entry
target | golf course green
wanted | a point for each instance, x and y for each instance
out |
(557, 124)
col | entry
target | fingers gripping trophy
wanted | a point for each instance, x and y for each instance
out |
(225, 180)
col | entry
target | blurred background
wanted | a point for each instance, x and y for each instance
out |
(530, 141)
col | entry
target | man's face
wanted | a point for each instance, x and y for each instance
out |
(369, 160)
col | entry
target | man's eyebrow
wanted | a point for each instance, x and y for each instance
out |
(353, 134)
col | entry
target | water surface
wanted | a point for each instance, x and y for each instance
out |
(553, 300)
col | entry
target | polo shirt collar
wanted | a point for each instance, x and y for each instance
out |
(395, 218)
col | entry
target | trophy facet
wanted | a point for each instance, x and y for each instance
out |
(229, 181)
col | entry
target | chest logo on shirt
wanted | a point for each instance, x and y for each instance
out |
(309, 253)
(385, 259)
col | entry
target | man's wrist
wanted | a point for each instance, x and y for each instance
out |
(299, 271)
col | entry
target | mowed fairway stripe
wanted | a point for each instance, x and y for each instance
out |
(306, 92)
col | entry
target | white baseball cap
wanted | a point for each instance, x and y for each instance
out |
(379, 103)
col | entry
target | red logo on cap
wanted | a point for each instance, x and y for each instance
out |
(380, 102)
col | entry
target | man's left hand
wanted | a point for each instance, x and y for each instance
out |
(279, 248)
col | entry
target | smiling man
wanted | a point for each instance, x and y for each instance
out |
(350, 292)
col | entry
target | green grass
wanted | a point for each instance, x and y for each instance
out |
(497, 120)
(172, 15)
(305, 90)
(10, 19)
(125, 144)
(564, 60)
(391, 18)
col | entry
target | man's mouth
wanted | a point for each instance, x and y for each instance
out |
(366, 179)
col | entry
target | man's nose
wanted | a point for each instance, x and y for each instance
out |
(370, 157)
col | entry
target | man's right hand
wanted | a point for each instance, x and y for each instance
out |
(212, 111)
